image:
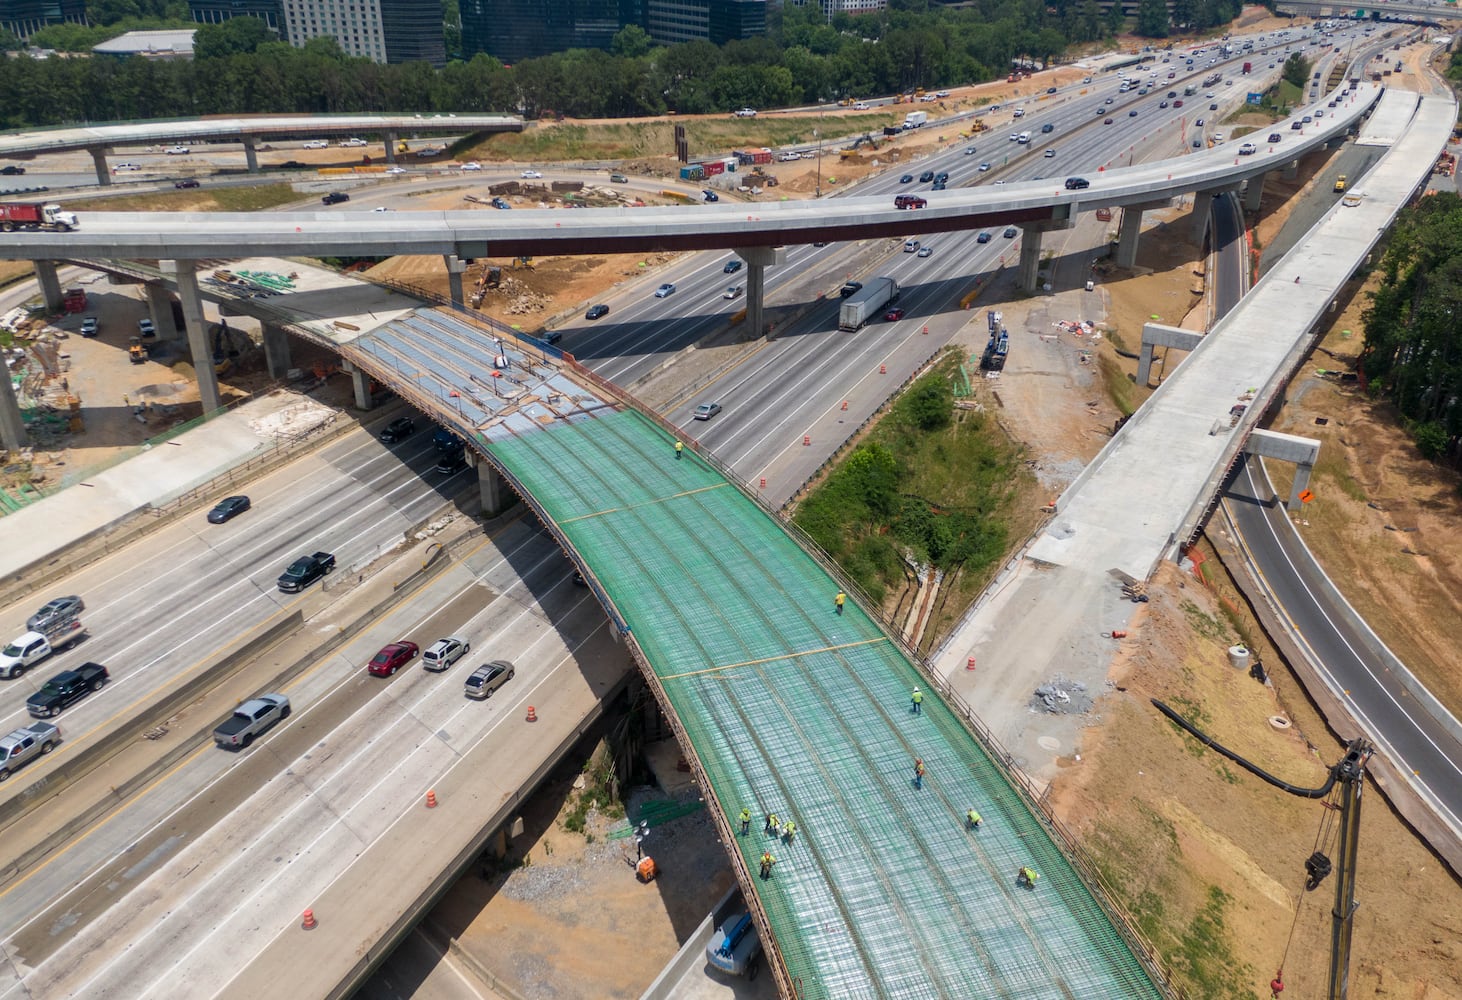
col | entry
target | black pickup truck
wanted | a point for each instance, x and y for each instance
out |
(306, 570)
(66, 687)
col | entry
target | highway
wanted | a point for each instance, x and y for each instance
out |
(165, 607)
(229, 840)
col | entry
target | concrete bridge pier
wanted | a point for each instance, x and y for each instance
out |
(160, 310)
(197, 328)
(1291, 170)
(1302, 451)
(496, 495)
(1254, 192)
(390, 147)
(1203, 209)
(1159, 335)
(757, 259)
(1131, 231)
(12, 427)
(251, 153)
(455, 266)
(276, 349)
(360, 383)
(50, 281)
(99, 160)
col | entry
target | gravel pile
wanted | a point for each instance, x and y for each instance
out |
(1061, 696)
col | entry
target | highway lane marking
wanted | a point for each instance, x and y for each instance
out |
(306, 675)
(229, 591)
(362, 800)
(459, 759)
(1379, 683)
(793, 655)
(647, 503)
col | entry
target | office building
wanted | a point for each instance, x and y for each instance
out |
(271, 12)
(25, 17)
(513, 30)
(383, 30)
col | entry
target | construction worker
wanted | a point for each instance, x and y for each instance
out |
(774, 825)
(679, 449)
(918, 772)
(918, 699)
(745, 820)
(789, 831)
(838, 601)
(766, 864)
(973, 819)
(1027, 877)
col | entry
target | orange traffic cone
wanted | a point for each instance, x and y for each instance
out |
(532, 715)
(309, 922)
(431, 799)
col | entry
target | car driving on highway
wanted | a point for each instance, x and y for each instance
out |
(665, 290)
(228, 508)
(54, 612)
(444, 652)
(707, 410)
(392, 658)
(488, 678)
(398, 430)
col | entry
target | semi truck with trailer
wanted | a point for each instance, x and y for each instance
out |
(915, 119)
(865, 303)
(30, 216)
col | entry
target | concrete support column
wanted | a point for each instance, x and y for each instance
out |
(99, 160)
(360, 383)
(12, 427)
(50, 282)
(1159, 335)
(1127, 238)
(390, 147)
(1302, 451)
(160, 310)
(187, 279)
(455, 266)
(251, 153)
(757, 259)
(1291, 170)
(276, 349)
(497, 497)
(1254, 192)
(1029, 271)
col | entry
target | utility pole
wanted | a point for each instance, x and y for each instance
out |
(1349, 774)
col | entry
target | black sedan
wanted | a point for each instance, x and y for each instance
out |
(228, 508)
(597, 312)
(398, 430)
(185, 183)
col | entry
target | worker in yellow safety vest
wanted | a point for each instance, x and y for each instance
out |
(766, 864)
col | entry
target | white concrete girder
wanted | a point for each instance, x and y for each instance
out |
(1161, 335)
(1302, 451)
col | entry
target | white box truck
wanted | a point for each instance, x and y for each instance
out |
(862, 305)
(915, 119)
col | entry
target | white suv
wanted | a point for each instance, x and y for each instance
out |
(444, 652)
(746, 113)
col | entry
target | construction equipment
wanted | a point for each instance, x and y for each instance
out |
(848, 152)
(136, 353)
(1346, 781)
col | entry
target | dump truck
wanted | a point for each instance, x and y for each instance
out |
(135, 351)
(864, 304)
(29, 216)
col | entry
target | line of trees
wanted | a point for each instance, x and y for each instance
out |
(240, 69)
(1413, 326)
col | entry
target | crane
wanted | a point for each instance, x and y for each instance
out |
(1347, 781)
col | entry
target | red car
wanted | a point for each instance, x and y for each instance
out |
(896, 313)
(392, 658)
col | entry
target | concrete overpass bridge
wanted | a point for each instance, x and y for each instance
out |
(1385, 10)
(101, 140)
(757, 233)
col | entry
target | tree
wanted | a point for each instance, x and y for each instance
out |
(631, 42)
(1296, 71)
(1152, 19)
(237, 35)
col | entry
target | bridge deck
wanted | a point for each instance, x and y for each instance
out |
(798, 711)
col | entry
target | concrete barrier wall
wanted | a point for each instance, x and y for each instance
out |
(411, 915)
(94, 754)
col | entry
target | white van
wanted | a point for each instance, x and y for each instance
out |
(1024, 138)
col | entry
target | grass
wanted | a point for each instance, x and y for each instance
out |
(1119, 387)
(630, 139)
(252, 198)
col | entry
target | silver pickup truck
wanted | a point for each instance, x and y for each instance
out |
(19, 746)
(250, 719)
